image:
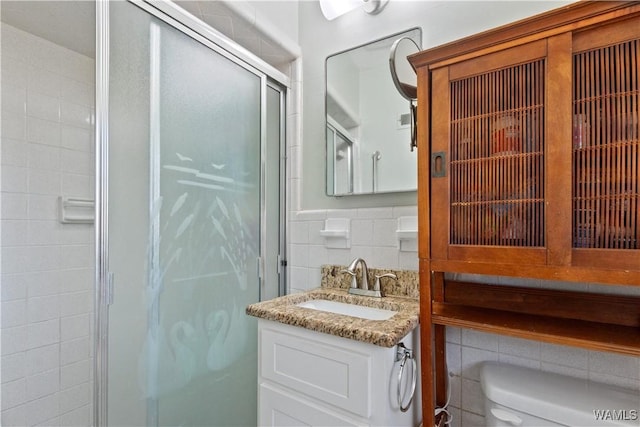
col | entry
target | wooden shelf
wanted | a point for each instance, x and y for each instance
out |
(579, 333)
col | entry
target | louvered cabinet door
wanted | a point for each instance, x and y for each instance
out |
(606, 146)
(488, 158)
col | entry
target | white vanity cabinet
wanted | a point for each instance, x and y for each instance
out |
(317, 379)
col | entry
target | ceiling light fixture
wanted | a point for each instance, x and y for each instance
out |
(331, 9)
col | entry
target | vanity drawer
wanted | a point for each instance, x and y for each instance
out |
(316, 365)
(279, 408)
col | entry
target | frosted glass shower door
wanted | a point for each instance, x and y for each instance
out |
(184, 227)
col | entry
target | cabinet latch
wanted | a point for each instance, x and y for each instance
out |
(438, 164)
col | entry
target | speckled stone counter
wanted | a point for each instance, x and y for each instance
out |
(385, 333)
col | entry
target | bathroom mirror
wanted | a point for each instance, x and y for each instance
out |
(368, 122)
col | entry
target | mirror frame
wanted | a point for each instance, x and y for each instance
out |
(399, 35)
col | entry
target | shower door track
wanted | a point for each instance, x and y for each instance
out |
(187, 24)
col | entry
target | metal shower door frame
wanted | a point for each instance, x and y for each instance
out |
(171, 14)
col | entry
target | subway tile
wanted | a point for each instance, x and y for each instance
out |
(14, 393)
(14, 98)
(45, 107)
(339, 256)
(43, 258)
(342, 213)
(76, 303)
(44, 182)
(43, 233)
(614, 364)
(299, 232)
(43, 308)
(42, 283)
(43, 131)
(314, 233)
(44, 157)
(471, 338)
(75, 234)
(14, 286)
(384, 257)
(74, 91)
(14, 152)
(14, 313)
(15, 259)
(14, 232)
(42, 409)
(454, 359)
(12, 367)
(73, 327)
(14, 126)
(75, 114)
(14, 340)
(76, 138)
(77, 417)
(14, 179)
(362, 232)
(43, 81)
(74, 350)
(43, 384)
(16, 416)
(519, 347)
(298, 277)
(399, 211)
(563, 355)
(454, 335)
(565, 370)
(14, 70)
(525, 362)
(75, 374)
(15, 42)
(45, 54)
(14, 206)
(43, 206)
(76, 280)
(408, 261)
(471, 359)
(42, 359)
(76, 256)
(77, 185)
(317, 256)
(469, 419)
(78, 67)
(472, 397)
(299, 255)
(375, 213)
(75, 398)
(384, 233)
(43, 333)
(624, 382)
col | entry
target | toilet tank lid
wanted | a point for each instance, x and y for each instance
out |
(558, 398)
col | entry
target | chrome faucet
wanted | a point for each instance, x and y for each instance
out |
(351, 269)
(364, 283)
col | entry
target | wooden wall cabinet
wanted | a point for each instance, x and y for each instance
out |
(529, 166)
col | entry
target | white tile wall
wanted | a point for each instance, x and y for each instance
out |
(47, 267)
(373, 238)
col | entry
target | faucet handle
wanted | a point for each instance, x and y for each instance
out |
(376, 286)
(354, 282)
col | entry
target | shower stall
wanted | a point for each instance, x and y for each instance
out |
(175, 135)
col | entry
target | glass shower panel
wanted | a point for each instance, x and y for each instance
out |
(185, 165)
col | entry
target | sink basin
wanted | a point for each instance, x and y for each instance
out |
(363, 312)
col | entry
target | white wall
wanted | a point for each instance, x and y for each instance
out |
(441, 21)
(47, 267)
(374, 218)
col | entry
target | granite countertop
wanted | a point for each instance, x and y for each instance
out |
(384, 333)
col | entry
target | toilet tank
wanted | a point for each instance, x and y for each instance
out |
(517, 396)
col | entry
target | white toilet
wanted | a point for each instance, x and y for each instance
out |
(516, 396)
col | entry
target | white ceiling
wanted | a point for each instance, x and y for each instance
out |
(67, 23)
